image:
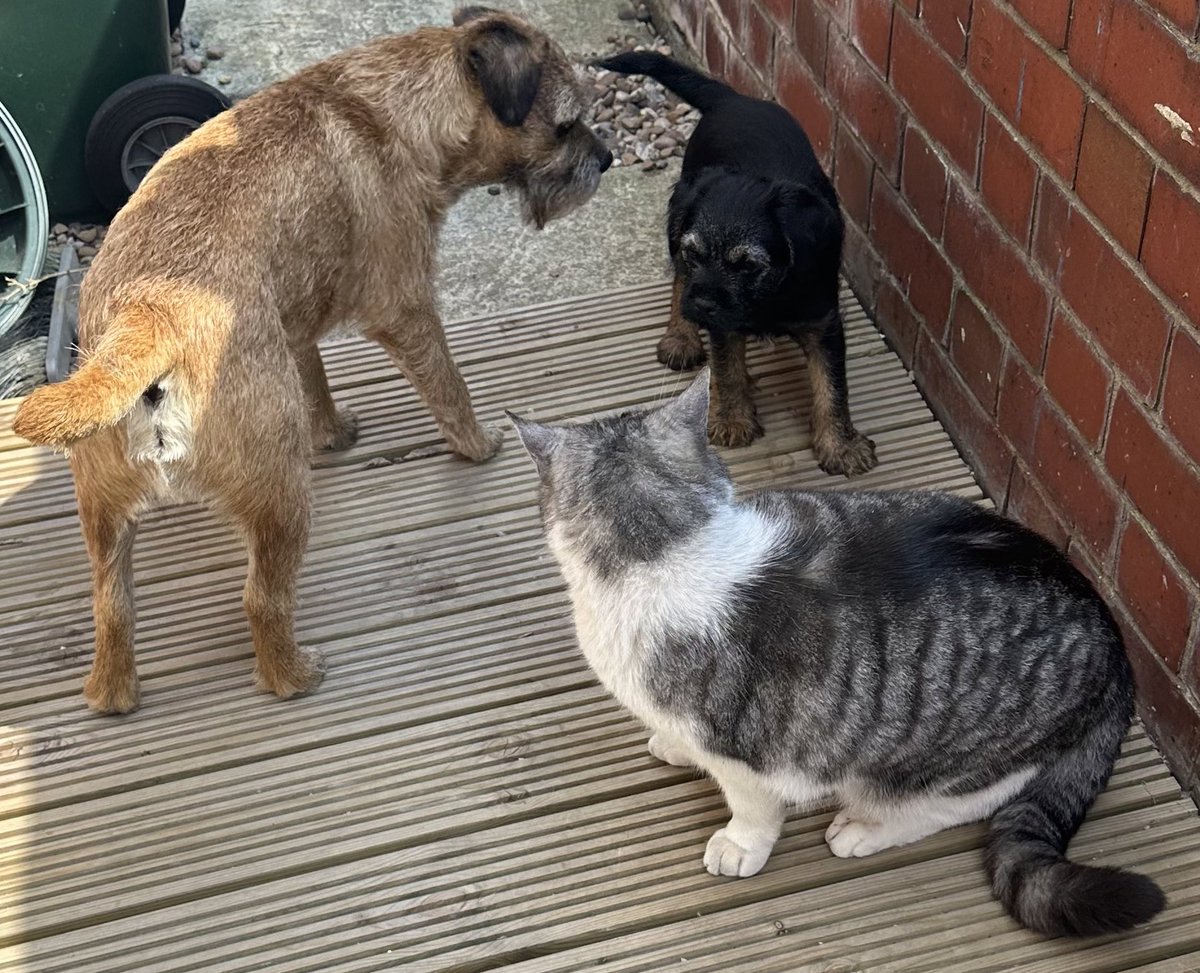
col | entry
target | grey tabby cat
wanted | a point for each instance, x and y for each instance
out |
(921, 661)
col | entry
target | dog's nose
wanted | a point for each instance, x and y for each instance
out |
(606, 160)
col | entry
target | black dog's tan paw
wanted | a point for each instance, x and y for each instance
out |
(734, 431)
(338, 434)
(849, 457)
(116, 694)
(680, 353)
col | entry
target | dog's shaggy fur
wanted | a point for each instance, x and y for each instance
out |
(755, 233)
(201, 376)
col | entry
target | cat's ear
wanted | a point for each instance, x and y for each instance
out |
(687, 413)
(539, 441)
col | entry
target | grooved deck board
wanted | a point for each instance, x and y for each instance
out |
(460, 795)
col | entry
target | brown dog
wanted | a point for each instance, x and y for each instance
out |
(201, 375)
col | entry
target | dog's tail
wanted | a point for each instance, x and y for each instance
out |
(1027, 839)
(698, 90)
(135, 351)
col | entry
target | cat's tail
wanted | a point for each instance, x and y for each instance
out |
(1025, 858)
(697, 89)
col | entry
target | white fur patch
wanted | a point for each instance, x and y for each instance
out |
(159, 433)
(686, 591)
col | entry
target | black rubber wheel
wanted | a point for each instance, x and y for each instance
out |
(137, 124)
(174, 14)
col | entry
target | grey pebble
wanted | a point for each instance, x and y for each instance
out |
(493, 190)
(215, 53)
(87, 235)
(87, 251)
(193, 65)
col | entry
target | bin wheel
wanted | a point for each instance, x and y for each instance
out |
(136, 125)
(174, 14)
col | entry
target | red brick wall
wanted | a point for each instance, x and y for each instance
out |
(1021, 185)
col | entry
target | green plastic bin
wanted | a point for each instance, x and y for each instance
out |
(89, 83)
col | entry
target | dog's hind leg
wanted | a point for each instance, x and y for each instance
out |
(332, 428)
(415, 342)
(681, 347)
(732, 417)
(110, 494)
(839, 447)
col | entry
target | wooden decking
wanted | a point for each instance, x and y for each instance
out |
(460, 795)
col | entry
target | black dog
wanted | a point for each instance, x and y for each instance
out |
(755, 234)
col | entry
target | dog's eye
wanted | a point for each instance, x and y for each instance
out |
(564, 129)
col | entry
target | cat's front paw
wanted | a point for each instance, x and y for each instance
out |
(851, 838)
(724, 856)
(669, 753)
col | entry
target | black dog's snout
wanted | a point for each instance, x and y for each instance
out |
(606, 160)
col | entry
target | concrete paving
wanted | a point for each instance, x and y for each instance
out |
(489, 260)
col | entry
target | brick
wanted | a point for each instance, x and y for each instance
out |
(1172, 721)
(871, 31)
(1077, 486)
(1181, 393)
(1109, 297)
(969, 426)
(1172, 243)
(1077, 378)
(910, 6)
(1027, 504)
(1165, 488)
(861, 264)
(733, 11)
(997, 272)
(1113, 177)
(948, 22)
(1020, 405)
(913, 259)
(688, 16)
(1151, 589)
(800, 94)
(852, 172)
(1143, 64)
(935, 90)
(780, 11)
(1008, 180)
(866, 103)
(1087, 36)
(1032, 90)
(741, 75)
(716, 41)
(897, 320)
(839, 10)
(1182, 13)
(923, 181)
(977, 351)
(810, 32)
(758, 40)
(1048, 17)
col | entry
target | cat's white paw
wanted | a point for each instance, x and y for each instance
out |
(724, 856)
(849, 838)
(674, 755)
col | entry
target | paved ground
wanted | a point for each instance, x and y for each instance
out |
(489, 260)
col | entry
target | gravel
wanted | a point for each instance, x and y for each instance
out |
(643, 123)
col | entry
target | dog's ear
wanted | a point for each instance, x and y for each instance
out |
(506, 64)
(540, 441)
(474, 12)
(808, 221)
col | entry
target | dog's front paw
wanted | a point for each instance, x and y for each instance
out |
(734, 430)
(849, 457)
(484, 446)
(724, 856)
(112, 695)
(295, 675)
(338, 433)
(680, 352)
